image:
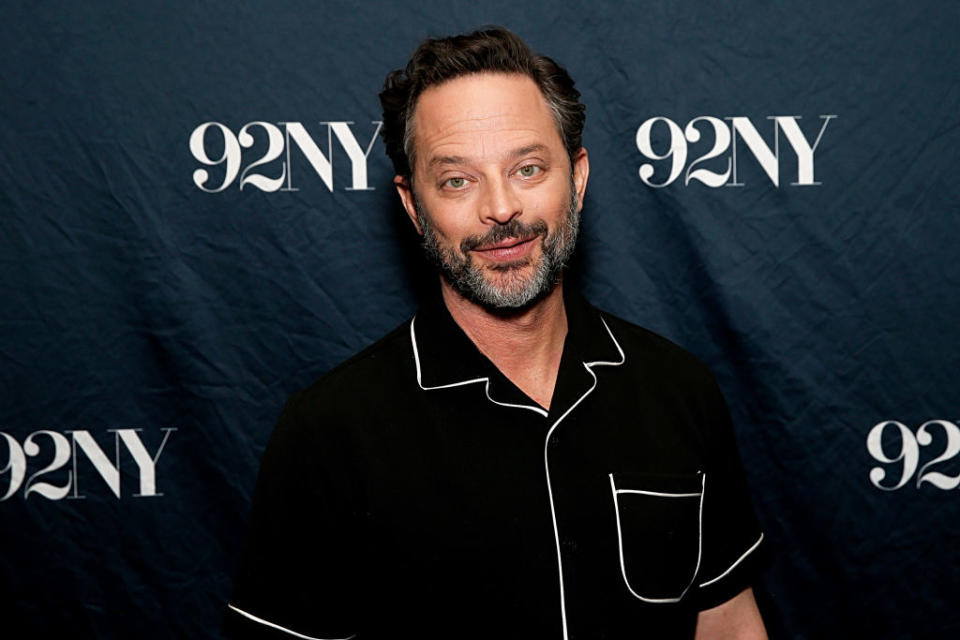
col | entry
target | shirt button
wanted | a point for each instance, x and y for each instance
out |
(554, 440)
(568, 544)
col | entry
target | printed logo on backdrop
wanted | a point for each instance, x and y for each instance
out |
(56, 459)
(277, 157)
(899, 449)
(724, 144)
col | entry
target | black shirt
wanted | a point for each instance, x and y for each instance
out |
(414, 491)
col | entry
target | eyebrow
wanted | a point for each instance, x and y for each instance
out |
(436, 160)
(516, 153)
(530, 148)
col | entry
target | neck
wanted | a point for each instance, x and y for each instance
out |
(526, 346)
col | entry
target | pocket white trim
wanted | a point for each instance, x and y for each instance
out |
(623, 569)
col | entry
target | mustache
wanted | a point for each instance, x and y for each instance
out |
(512, 229)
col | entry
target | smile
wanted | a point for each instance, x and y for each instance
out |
(507, 250)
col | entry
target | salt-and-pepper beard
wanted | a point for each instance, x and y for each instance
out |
(513, 291)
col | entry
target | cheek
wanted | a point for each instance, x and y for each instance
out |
(557, 190)
(447, 224)
(552, 207)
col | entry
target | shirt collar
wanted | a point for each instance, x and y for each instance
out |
(445, 357)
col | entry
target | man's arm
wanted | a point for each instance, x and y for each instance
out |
(736, 619)
(296, 577)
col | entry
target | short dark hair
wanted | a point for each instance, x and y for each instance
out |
(492, 49)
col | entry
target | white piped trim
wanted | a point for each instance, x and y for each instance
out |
(546, 464)
(739, 560)
(623, 357)
(660, 494)
(284, 629)
(546, 442)
(486, 389)
(623, 567)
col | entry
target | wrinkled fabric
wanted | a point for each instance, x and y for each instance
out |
(132, 299)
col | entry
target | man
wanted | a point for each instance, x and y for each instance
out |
(510, 463)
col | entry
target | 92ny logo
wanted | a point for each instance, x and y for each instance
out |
(891, 433)
(280, 138)
(728, 136)
(63, 448)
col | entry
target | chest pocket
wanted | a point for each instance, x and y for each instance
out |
(658, 520)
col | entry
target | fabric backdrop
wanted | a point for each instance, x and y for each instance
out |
(196, 219)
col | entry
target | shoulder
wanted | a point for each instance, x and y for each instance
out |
(372, 380)
(383, 356)
(372, 373)
(669, 382)
(649, 353)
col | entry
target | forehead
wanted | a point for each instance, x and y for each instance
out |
(481, 115)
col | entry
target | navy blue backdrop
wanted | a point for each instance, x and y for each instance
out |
(773, 187)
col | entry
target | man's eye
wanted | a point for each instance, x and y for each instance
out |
(455, 183)
(528, 171)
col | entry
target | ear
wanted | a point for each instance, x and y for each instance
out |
(405, 190)
(581, 171)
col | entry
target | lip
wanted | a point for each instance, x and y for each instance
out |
(508, 249)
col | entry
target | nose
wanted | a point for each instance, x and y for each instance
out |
(500, 202)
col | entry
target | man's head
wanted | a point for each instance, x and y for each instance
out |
(493, 50)
(486, 141)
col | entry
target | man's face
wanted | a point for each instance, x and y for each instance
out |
(493, 192)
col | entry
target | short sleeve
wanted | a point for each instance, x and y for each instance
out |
(733, 549)
(297, 577)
